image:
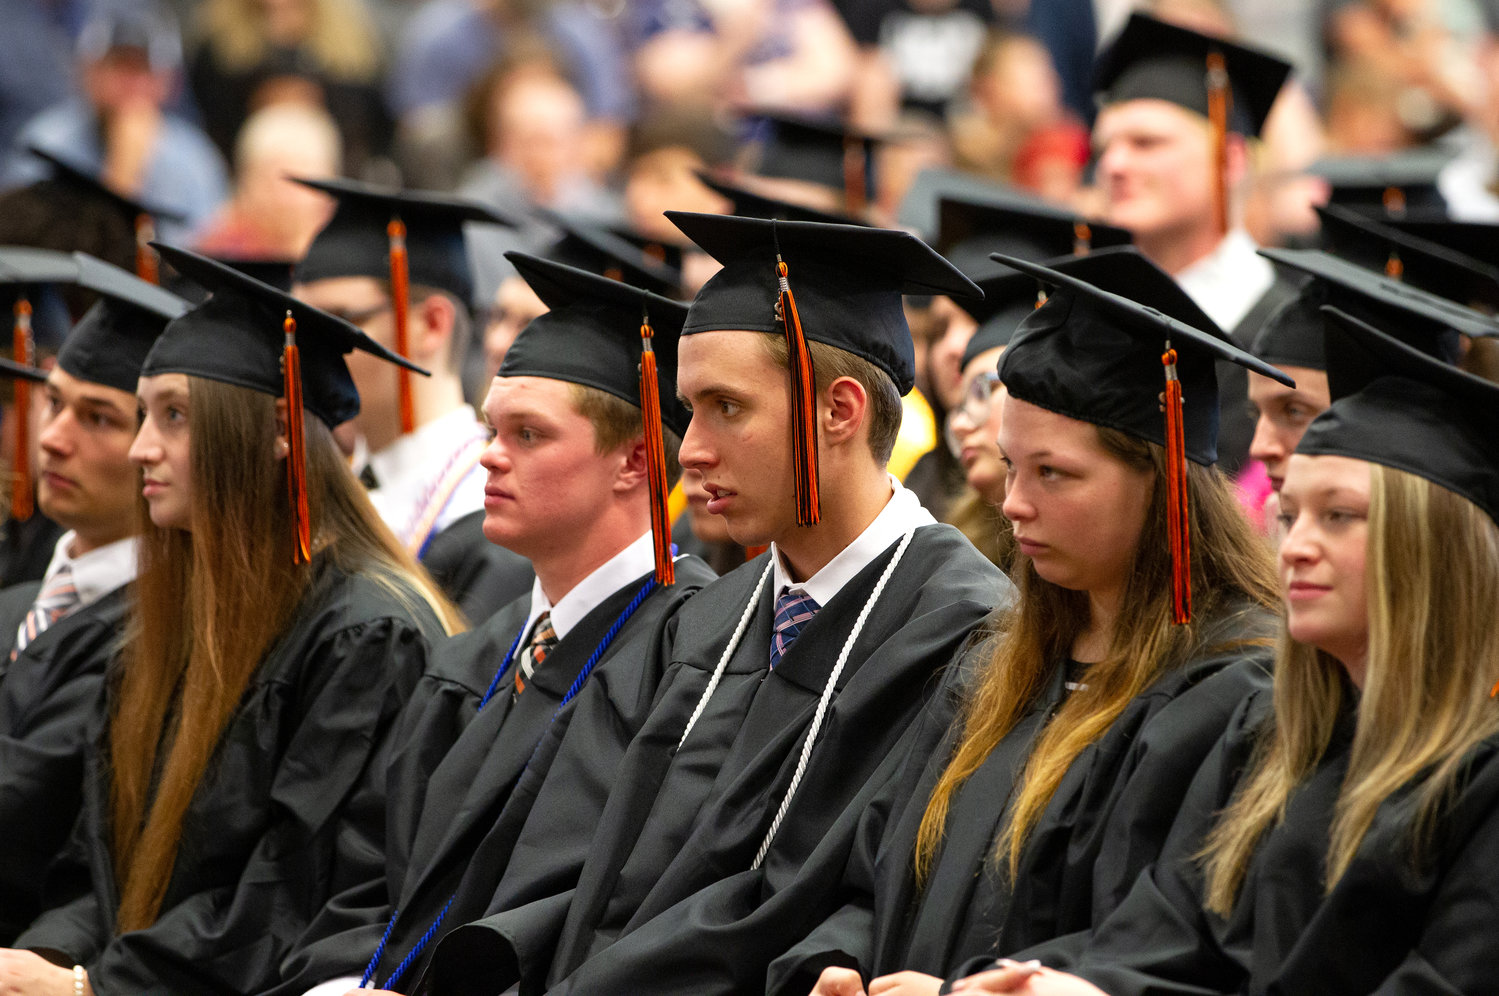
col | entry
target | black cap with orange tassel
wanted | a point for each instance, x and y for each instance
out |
(1142, 364)
(619, 339)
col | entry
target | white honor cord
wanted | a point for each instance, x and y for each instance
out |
(827, 697)
(723, 662)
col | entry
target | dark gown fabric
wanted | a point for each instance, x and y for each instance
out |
(1109, 816)
(453, 801)
(478, 576)
(49, 707)
(26, 548)
(260, 838)
(679, 821)
(1389, 926)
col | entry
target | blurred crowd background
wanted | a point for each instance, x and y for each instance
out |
(607, 110)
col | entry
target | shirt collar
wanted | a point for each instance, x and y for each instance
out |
(901, 513)
(633, 561)
(1227, 282)
(98, 572)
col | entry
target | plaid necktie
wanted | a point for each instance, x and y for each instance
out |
(543, 639)
(58, 597)
(794, 609)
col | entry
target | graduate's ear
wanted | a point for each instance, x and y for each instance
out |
(847, 409)
(436, 315)
(281, 447)
(632, 471)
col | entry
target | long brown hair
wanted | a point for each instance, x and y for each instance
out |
(194, 640)
(1430, 575)
(1230, 567)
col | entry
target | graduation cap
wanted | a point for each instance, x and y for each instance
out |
(797, 147)
(747, 203)
(1411, 258)
(1475, 239)
(254, 336)
(668, 254)
(1231, 85)
(1097, 356)
(403, 236)
(11, 370)
(595, 249)
(1425, 321)
(1398, 407)
(1386, 187)
(839, 285)
(970, 228)
(619, 339)
(111, 340)
(141, 217)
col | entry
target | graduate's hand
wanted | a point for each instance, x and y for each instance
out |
(26, 973)
(838, 982)
(905, 984)
(1028, 979)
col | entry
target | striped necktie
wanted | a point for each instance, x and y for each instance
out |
(543, 639)
(58, 597)
(794, 609)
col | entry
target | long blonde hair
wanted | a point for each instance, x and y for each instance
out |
(342, 37)
(1432, 566)
(1230, 569)
(194, 643)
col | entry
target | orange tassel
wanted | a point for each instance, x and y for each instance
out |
(1394, 202)
(1082, 238)
(655, 458)
(855, 175)
(1178, 528)
(147, 265)
(296, 457)
(400, 298)
(1394, 267)
(803, 405)
(21, 497)
(1220, 100)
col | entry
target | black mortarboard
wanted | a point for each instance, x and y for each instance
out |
(668, 254)
(747, 203)
(1477, 239)
(37, 275)
(591, 335)
(597, 250)
(816, 151)
(1151, 59)
(607, 335)
(1011, 296)
(969, 229)
(848, 281)
(1395, 406)
(357, 240)
(1425, 321)
(1095, 355)
(237, 337)
(1407, 257)
(11, 370)
(1291, 335)
(111, 340)
(1386, 187)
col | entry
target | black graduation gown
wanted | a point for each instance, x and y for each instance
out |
(679, 821)
(259, 843)
(1109, 816)
(478, 576)
(1386, 927)
(26, 548)
(452, 778)
(50, 698)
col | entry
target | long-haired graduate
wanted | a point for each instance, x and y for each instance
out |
(276, 627)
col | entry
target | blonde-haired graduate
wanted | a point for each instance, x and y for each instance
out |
(1052, 763)
(275, 628)
(1344, 835)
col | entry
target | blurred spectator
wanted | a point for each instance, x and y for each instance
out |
(129, 60)
(269, 216)
(916, 54)
(669, 149)
(38, 74)
(1363, 116)
(448, 46)
(791, 55)
(249, 54)
(1470, 183)
(916, 143)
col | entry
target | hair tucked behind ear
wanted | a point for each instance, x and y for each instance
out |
(1230, 566)
(1431, 571)
(209, 604)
